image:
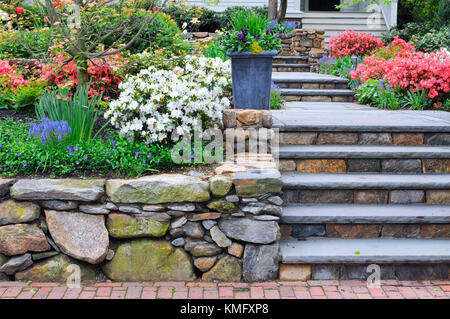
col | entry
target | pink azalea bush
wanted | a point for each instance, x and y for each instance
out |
(353, 43)
(9, 77)
(406, 69)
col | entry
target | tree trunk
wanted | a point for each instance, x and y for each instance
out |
(82, 72)
(282, 12)
(273, 8)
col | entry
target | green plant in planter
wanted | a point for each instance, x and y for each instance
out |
(250, 32)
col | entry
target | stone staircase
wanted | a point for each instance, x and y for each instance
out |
(362, 186)
(312, 87)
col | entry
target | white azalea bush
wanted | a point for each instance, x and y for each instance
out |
(156, 102)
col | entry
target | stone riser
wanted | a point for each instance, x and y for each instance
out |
(391, 166)
(291, 69)
(308, 98)
(364, 138)
(379, 197)
(359, 271)
(290, 60)
(310, 85)
(423, 231)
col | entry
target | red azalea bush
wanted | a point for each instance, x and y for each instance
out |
(353, 43)
(105, 74)
(407, 69)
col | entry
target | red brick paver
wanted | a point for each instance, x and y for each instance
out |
(313, 289)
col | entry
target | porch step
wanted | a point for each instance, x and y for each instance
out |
(365, 181)
(362, 151)
(290, 67)
(314, 95)
(360, 251)
(365, 214)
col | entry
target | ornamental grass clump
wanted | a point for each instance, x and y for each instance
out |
(250, 32)
(50, 132)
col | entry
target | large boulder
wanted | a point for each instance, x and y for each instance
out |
(250, 230)
(21, 238)
(12, 212)
(226, 269)
(58, 189)
(126, 226)
(81, 236)
(261, 262)
(56, 269)
(165, 188)
(17, 263)
(149, 260)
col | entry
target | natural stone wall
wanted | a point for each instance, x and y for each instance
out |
(217, 226)
(307, 42)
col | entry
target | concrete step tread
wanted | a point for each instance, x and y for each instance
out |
(376, 250)
(363, 151)
(317, 92)
(365, 214)
(365, 181)
(306, 77)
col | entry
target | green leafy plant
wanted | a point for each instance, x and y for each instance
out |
(250, 31)
(80, 111)
(27, 95)
(433, 40)
(366, 93)
(387, 99)
(276, 100)
(416, 100)
(214, 50)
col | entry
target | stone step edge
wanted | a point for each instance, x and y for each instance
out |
(291, 65)
(310, 80)
(317, 92)
(356, 128)
(291, 57)
(361, 151)
(351, 181)
(360, 251)
(365, 214)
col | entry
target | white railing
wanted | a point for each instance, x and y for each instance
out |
(389, 12)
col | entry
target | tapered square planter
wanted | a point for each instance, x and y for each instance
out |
(251, 79)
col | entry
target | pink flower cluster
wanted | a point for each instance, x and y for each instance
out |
(353, 43)
(105, 74)
(407, 69)
(9, 77)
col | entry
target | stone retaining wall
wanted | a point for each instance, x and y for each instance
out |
(212, 226)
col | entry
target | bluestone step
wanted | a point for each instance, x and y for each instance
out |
(306, 77)
(365, 181)
(359, 251)
(317, 92)
(365, 214)
(362, 151)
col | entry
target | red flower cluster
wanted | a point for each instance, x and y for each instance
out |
(105, 74)
(20, 10)
(353, 43)
(407, 69)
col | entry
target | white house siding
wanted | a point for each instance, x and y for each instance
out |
(293, 5)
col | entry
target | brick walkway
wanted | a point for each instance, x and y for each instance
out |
(351, 289)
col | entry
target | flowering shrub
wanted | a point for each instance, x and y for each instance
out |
(156, 102)
(9, 77)
(353, 43)
(50, 131)
(407, 69)
(105, 74)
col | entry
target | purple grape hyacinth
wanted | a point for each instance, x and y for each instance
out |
(50, 131)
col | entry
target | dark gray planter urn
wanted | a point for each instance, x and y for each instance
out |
(251, 79)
